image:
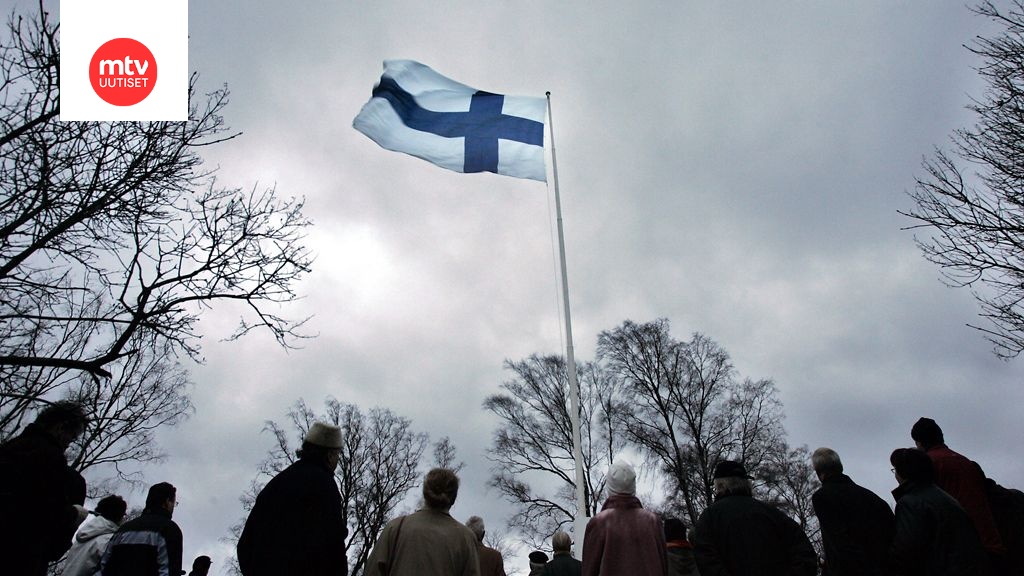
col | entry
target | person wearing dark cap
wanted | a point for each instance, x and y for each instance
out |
(934, 535)
(740, 535)
(563, 564)
(296, 524)
(39, 492)
(201, 566)
(680, 552)
(538, 561)
(856, 524)
(92, 537)
(624, 538)
(149, 544)
(962, 479)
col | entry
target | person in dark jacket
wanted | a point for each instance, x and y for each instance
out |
(149, 545)
(296, 525)
(857, 526)
(538, 561)
(563, 564)
(491, 562)
(201, 566)
(962, 479)
(680, 552)
(934, 536)
(1008, 510)
(738, 535)
(38, 491)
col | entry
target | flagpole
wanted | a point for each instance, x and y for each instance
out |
(580, 522)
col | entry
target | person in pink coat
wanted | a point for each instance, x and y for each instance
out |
(624, 539)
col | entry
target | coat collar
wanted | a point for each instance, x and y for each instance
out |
(621, 501)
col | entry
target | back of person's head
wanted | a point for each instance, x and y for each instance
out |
(201, 565)
(65, 418)
(159, 494)
(913, 465)
(476, 524)
(112, 508)
(731, 479)
(621, 479)
(440, 488)
(826, 462)
(320, 440)
(927, 433)
(561, 542)
(675, 529)
(537, 559)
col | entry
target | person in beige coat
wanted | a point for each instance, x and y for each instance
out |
(429, 541)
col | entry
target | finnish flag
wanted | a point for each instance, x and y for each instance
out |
(417, 111)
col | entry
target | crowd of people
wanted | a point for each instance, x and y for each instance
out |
(949, 520)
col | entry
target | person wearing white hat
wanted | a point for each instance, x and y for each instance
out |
(624, 538)
(296, 525)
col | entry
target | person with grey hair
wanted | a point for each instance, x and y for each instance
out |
(740, 535)
(857, 526)
(624, 538)
(428, 541)
(563, 564)
(491, 563)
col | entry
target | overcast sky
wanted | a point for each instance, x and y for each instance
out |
(735, 167)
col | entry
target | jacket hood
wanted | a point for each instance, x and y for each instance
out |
(95, 526)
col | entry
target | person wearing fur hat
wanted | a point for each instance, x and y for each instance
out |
(428, 541)
(740, 535)
(296, 524)
(538, 562)
(624, 538)
(962, 479)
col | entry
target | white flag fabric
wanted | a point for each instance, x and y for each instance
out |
(415, 110)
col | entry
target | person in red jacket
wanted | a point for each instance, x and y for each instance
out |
(624, 539)
(962, 479)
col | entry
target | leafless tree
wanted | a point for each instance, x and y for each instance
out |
(533, 442)
(970, 201)
(444, 455)
(787, 480)
(689, 409)
(114, 239)
(379, 465)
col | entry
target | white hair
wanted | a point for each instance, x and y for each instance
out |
(476, 524)
(826, 461)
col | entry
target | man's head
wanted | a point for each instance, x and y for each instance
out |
(162, 496)
(322, 444)
(201, 565)
(65, 420)
(926, 433)
(731, 479)
(674, 529)
(621, 479)
(826, 463)
(476, 525)
(112, 508)
(912, 465)
(561, 543)
(440, 489)
(537, 559)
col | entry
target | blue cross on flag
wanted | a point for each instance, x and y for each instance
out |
(417, 111)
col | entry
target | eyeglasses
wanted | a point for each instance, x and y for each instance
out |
(893, 470)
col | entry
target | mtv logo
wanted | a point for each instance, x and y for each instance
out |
(124, 60)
